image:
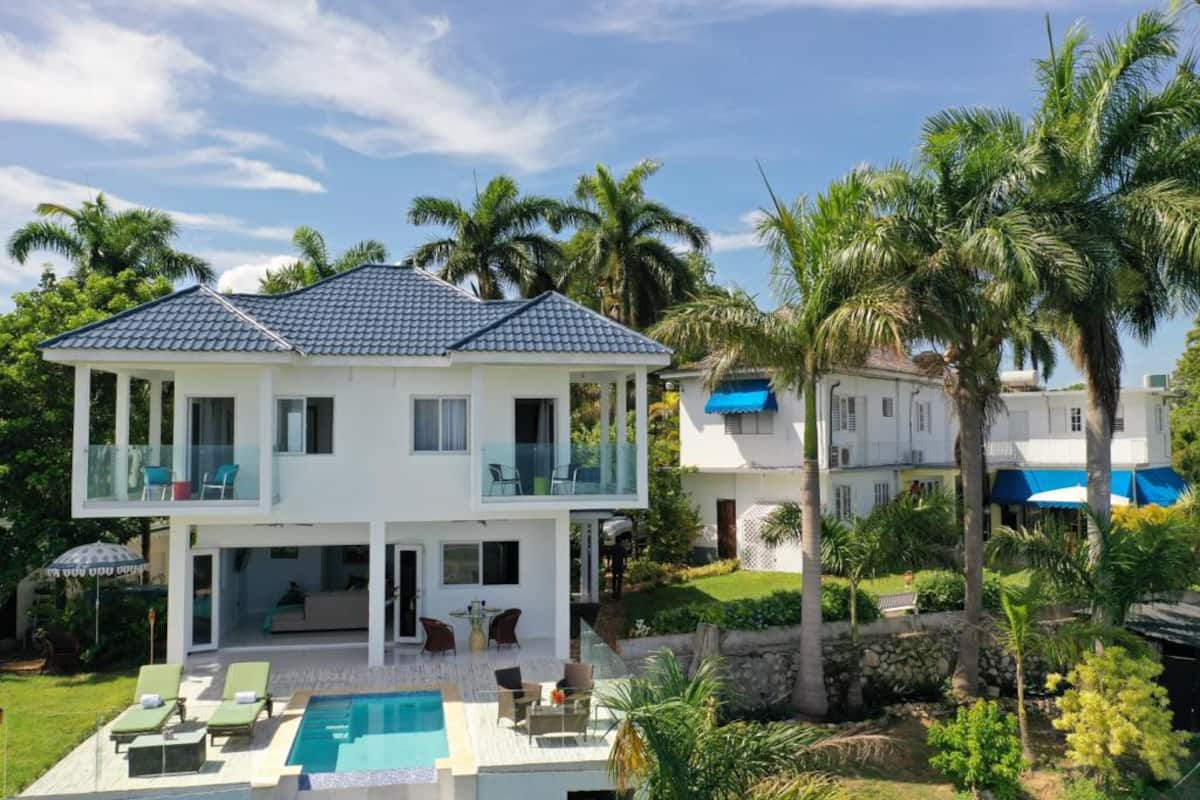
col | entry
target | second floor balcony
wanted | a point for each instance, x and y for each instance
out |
(1064, 451)
(170, 478)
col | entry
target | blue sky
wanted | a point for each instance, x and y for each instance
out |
(248, 117)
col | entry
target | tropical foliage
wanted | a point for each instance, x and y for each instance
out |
(1185, 412)
(670, 744)
(316, 264)
(96, 238)
(979, 750)
(497, 244)
(757, 613)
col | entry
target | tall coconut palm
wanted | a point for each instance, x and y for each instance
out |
(959, 230)
(96, 238)
(315, 263)
(496, 244)
(1123, 183)
(621, 245)
(830, 315)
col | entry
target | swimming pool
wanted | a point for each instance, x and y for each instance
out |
(370, 732)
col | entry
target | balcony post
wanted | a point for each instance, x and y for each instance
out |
(594, 560)
(474, 435)
(605, 434)
(179, 436)
(121, 462)
(562, 585)
(178, 601)
(622, 432)
(266, 429)
(376, 577)
(642, 435)
(154, 435)
(81, 437)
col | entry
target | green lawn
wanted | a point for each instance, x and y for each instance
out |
(45, 717)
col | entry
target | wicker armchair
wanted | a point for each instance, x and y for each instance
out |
(577, 682)
(439, 637)
(503, 628)
(513, 696)
(60, 650)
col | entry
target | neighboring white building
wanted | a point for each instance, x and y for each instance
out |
(384, 440)
(880, 428)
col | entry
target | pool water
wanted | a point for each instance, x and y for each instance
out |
(361, 732)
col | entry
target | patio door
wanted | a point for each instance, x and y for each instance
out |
(407, 600)
(203, 622)
(534, 440)
(210, 436)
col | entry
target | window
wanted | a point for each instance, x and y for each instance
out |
(1158, 419)
(481, 563)
(883, 493)
(929, 486)
(845, 417)
(759, 423)
(888, 407)
(1076, 420)
(439, 424)
(1118, 424)
(923, 413)
(842, 502)
(304, 425)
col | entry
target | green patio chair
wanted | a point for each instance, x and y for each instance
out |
(237, 719)
(159, 679)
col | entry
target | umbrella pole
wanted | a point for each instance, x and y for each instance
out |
(96, 639)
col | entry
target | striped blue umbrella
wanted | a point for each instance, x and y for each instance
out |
(95, 560)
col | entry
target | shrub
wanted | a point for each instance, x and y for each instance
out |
(757, 613)
(1084, 789)
(644, 572)
(945, 591)
(124, 624)
(712, 569)
(979, 749)
(1114, 712)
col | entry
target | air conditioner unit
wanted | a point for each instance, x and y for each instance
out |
(833, 457)
(918, 457)
(844, 458)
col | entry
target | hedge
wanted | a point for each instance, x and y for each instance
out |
(945, 591)
(754, 614)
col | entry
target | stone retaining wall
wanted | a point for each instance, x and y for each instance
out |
(900, 658)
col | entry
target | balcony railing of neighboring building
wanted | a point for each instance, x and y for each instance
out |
(1061, 450)
(849, 455)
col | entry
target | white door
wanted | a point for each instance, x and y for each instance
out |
(407, 596)
(204, 587)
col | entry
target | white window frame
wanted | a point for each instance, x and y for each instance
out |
(762, 420)
(1118, 423)
(479, 543)
(843, 500)
(888, 408)
(1159, 427)
(412, 427)
(883, 493)
(922, 418)
(304, 398)
(1076, 419)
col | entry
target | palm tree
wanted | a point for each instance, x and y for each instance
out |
(497, 243)
(315, 264)
(830, 316)
(95, 238)
(910, 532)
(1021, 638)
(1123, 184)
(959, 231)
(620, 248)
(670, 745)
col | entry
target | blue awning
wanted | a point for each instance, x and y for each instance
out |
(742, 397)
(1159, 486)
(1014, 486)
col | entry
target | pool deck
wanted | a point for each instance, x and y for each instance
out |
(93, 769)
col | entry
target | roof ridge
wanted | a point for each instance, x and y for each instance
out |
(249, 320)
(621, 325)
(327, 279)
(100, 322)
(444, 282)
(491, 326)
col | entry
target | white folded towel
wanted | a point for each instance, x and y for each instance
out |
(151, 700)
(246, 697)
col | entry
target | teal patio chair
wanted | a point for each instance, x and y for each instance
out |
(220, 481)
(156, 479)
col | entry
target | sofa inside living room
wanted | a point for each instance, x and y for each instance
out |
(321, 611)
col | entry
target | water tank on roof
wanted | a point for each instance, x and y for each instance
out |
(1155, 381)
(1019, 379)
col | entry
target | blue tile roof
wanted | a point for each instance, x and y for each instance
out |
(373, 310)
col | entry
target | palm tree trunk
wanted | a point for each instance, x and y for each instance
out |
(1022, 717)
(1098, 442)
(808, 695)
(970, 415)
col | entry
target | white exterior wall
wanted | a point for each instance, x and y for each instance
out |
(1049, 440)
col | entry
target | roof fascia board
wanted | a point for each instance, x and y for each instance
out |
(562, 359)
(375, 361)
(66, 355)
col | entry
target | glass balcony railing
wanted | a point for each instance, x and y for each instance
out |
(546, 470)
(166, 474)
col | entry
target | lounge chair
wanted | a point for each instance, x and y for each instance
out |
(162, 680)
(237, 719)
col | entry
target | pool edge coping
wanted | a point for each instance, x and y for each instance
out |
(461, 761)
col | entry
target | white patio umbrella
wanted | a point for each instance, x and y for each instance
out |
(1071, 496)
(95, 560)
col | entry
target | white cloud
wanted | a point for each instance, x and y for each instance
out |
(220, 165)
(91, 75)
(22, 189)
(743, 239)
(244, 276)
(390, 87)
(671, 19)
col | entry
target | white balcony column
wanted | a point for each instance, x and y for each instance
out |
(594, 561)
(154, 435)
(562, 585)
(605, 434)
(80, 437)
(474, 435)
(178, 602)
(266, 439)
(179, 435)
(376, 579)
(121, 462)
(622, 422)
(642, 435)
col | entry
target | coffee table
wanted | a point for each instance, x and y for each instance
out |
(570, 717)
(156, 754)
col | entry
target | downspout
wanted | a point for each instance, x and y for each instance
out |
(829, 425)
(911, 396)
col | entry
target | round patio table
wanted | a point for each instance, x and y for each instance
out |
(478, 640)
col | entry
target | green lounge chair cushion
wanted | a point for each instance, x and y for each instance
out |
(141, 720)
(235, 715)
(247, 676)
(160, 679)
